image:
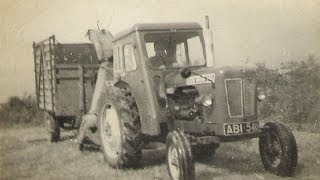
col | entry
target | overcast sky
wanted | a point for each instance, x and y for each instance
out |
(267, 31)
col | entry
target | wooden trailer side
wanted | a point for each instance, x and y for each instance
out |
(64, 76)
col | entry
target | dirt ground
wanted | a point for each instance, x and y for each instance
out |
(25, 154)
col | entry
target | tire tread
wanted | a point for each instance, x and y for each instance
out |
(289, 160)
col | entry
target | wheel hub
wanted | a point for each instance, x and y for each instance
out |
(112, 132)
(173, 162)
(274, 150)
(107, 130)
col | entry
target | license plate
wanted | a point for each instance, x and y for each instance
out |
(240, 128)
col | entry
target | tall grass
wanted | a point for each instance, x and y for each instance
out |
(293, 91)
(20, 111)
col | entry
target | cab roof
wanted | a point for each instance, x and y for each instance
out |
(158, 27)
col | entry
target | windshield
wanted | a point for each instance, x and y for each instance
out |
(174, 49)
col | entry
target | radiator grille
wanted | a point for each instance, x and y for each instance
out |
(234, 97)
(249, 97)
(240, 94)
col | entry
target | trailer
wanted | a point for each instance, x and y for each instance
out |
(65, 76)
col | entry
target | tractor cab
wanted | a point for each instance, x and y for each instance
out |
(146, 56)
(165, 66)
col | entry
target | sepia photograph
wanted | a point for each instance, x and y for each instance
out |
(160, 89)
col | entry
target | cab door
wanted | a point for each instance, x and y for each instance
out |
(130, 68)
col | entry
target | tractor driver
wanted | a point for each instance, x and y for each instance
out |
(160, 55)
(163, 58)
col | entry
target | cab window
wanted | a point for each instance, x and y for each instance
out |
(129, 57)
(118, 60)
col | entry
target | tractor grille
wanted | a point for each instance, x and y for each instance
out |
(234, 97)
(240, 94)
(249, 97)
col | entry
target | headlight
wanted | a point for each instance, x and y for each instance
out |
(261, 97)
(207, 101)
(261, 94)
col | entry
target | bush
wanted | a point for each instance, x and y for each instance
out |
(293, 95)
(20, 112)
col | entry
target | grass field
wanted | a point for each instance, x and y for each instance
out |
(25, 154)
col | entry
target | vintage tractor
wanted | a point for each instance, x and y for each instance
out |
(162, 86)
(163, 89)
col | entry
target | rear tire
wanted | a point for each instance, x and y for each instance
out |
(278, 150)
(180, 162)
(120, 131)
(52, 128)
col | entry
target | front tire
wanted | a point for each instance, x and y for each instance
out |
(180, 162)
(120, 132)
(278, 150)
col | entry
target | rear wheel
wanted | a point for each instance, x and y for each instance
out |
(120, 132)
(52, 128)
(278, 150)
(180, 162)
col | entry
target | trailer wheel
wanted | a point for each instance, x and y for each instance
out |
(52, 128)
(120, 132)
(180, 162)
(278, 150)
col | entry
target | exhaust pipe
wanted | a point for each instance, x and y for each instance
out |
(209, 44)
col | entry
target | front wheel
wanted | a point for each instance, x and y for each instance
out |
(278, 150)
(180, 162)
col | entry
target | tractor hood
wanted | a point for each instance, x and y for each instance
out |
(205, 75)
